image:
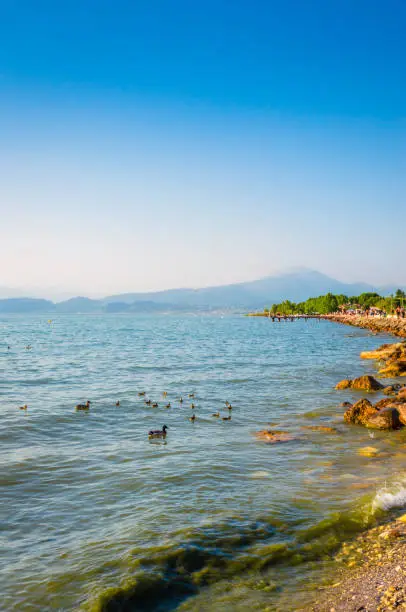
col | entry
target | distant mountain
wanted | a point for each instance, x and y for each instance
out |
(25, 305)
(79, 305)
(296, 286)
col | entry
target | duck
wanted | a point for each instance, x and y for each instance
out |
(168, 405)
(226, 418)
(24, 407)
(180, 400)
(191, 394)
(141, 393)
(229, 407)
(227, 403)
(192, 406)
(157, 433)
(155, 405)
(192, 418)
(117, 402)
(148, 402)
(83, 406)
(216, 415)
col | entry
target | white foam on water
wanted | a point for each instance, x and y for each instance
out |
(390, 497)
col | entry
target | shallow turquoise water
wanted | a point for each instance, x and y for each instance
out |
(88, 503)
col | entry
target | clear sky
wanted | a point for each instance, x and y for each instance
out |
(149, 144)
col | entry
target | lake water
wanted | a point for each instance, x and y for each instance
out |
(94, 516)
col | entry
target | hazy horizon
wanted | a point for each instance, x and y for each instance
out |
(157, 146)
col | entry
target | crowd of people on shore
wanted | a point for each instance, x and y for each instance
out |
(399, 312)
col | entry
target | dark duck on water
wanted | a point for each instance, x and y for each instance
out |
(83, 406)
(157, 433)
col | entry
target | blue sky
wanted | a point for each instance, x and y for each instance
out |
(148, 145)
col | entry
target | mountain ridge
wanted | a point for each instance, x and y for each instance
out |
(295, 286)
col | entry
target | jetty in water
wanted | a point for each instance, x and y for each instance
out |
(281, 317)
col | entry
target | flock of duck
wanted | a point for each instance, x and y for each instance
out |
(161, 433)
(158, 433)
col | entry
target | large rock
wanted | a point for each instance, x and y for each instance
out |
(363, 383)
(366, 383)
(394, 369)
(401, 408)
(384, 403)
(394, 356)
(360, 412)
(343, 384)
(388, 418)
(383, 352)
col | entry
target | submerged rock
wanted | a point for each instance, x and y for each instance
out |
(360, 412)
(368, 451)
(272, 436)
(391, 389)
(322, 428)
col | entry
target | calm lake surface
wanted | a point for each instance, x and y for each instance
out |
(94, 516)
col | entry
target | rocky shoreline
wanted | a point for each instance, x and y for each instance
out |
(371, 570)
(371, 573)
(388, 325)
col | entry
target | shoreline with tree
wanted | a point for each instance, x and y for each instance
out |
(369, 310)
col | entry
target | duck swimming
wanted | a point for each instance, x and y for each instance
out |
(83, 406)
(192, 406)
(216, 414)
(226, 418)
(141, 393)
(168, 405)
(191, 394)
(192, 418)
(157, 433)
(148, 402)
(117, 403)
(24, 407)
(155, 405)
(180, 400)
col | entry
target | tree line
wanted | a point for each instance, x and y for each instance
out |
(329, 303)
